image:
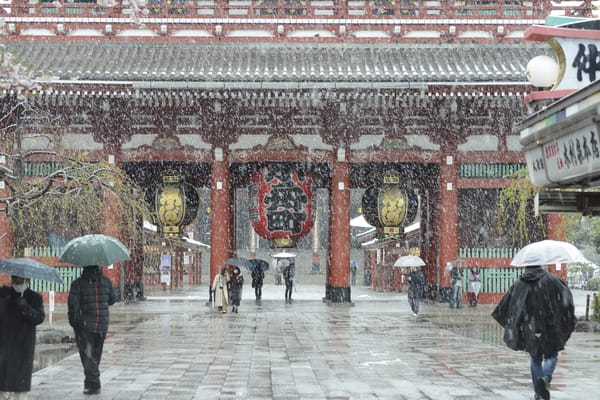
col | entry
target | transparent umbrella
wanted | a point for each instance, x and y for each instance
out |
(409, 261)
(548, 252)
(30, 269)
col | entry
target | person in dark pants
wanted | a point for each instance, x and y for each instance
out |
(21, 310)
(288, 276)
(258, 277)
(415, 290)
(456, 281)
(88, 306)
(235, 286)
(353, 269)
(538, 316)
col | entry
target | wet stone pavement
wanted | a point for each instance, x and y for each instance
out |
(173, 346)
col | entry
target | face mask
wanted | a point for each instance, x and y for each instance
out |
(20, 287)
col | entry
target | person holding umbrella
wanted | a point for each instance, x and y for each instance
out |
(537, 313)
(288, 275)
(258, 276)
(88, 307)
(235, 288)
(90, 297)
(415, 290)
(21, 310)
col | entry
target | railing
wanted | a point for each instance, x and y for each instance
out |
(69, 274)
(493, 280)
(417, 9)
(487, 252)
(43, 251)
(41, 168)
(482, 170)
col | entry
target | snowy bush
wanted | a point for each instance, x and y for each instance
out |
(593, 284)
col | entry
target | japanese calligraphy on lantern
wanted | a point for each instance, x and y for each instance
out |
(282, 210)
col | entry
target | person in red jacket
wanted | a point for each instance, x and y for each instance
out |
(88, 306)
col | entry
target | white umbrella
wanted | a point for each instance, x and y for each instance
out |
(409, 261)
(548, 252)
(284, 255)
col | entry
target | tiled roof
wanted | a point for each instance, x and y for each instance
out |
(260, 63)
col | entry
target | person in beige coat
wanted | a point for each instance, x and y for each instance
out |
(219, 288)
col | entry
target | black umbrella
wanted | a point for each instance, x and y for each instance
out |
(262, 263)
(239, 262)
(30, 269)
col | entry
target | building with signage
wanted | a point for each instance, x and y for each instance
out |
(341, 92)
(560, 138)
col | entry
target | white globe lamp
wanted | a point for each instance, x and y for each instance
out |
(542, 71)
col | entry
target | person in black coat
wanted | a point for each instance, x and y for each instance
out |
(415, 290)
(235, 289)
(89, 299)
(288, 276)
(21, 310)
(258, 276)
(538, 316)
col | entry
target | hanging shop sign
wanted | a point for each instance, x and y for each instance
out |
(389, 205)
(562, 142)
(282, 210)
(175, 203)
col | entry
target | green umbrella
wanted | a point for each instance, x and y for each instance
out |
(94, 250)
(30, 269)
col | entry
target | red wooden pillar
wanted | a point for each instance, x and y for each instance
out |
(180, 267)
(220, 222)
(554, 227)
(448, 216)
(555, 231)
(338, 281)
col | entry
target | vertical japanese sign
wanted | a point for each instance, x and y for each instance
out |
(579, 61)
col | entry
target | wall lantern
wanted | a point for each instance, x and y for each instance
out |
(542, 71)
(175, 203)
(282, 210)
(390, 206)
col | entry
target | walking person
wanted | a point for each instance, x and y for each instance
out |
(456, 282)
(474, 287)
(236, 284)
(219, 288)
(258, 277)
(353, 269)
(538, 316)
(288, 276)
(21, 310)
(415, 290)
(277, 272)
(89, 300)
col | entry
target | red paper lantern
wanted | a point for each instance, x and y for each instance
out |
(282, 211)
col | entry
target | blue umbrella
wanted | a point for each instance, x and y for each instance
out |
(30, 269)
